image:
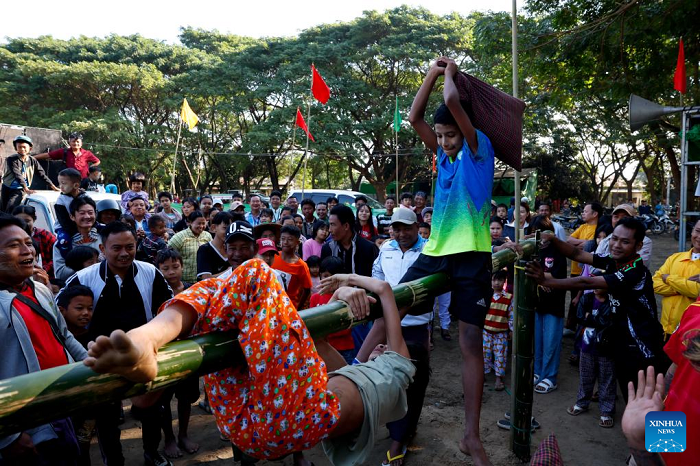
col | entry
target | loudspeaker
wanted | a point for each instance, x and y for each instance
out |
(643, 111)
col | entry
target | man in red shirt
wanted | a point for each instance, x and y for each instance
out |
(33, 337)
(75, 157)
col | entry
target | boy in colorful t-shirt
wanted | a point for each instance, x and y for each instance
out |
(460, 241)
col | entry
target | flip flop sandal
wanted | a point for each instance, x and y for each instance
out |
(545, 386)
(575, 410)
(505, 425)
(606, 422)
(389, 458)
(499, 387)
(533, 421)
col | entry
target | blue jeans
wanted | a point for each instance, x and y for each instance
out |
(548, 334)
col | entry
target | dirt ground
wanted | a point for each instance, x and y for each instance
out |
(581, 440)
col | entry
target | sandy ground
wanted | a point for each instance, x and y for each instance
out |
(581, 440)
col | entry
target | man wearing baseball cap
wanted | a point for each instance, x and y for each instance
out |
(621, 211)
(240, 245)
(395, 258)
(19, 173)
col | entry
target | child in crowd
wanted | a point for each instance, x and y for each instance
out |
(314, 264)
(496, 229)
(75, 304)
(342, 341)
(212, 260)
(81, 257)
(129, 220)
(65, 228)
(502, 212)
(137, 182)
(155, 240)
(169, 262)
(595, 315)
(266, 215)
(267, 249)
(92, 182)
(313, 246)
(424, 230)
(364, 225)
(427, 214)
(496, 327)
(108, 211)
(170, 215)
(189, 205)
(300, 278)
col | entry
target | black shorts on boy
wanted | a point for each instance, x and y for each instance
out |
(470, 283)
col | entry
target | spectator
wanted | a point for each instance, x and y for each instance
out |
(391, 264)
(206, 204)
(424, 230)
(299, 284)
(240, 245)
(108, 211)
(622, 211)
(189, 205)
(33, 337)
(82, 213)
(332, 202)
(237, 197)
(511, 210)
(365, 227)
(74, 156)
(238, 208)
(253, 217)
(591, 213)
(644, 208)
(307, 210)
(137, 181)
(169, 263)
(678, 281)
(406, 200)
(154, 241)
(314, 265)
(92, 182)
(497, 325)
(419, 199)
(19, 174)
(496, 229)
(660, 208)
(44, 238)
(384, 220)
(128, 293)
(276, 205)
(293, 204)
(322, 211)
(502, 212)
(82, 257)
(188, 242)
(545, 209)
(69, 183)
(170, 215)
(638, 335)
(137, 211)
(312, 247)
(268, 231)
(266, 215)
(211, 257)
(427, 214)
(509, 228)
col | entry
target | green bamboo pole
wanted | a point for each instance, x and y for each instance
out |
(523, 367)
(36, 398)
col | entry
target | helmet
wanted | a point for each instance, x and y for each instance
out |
(22, 138)
(75, 135)
(108, 204)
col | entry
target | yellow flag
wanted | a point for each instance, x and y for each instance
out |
(188, 116)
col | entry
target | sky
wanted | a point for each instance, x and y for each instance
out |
(161, 20)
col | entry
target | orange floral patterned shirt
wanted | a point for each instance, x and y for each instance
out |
(279, 404)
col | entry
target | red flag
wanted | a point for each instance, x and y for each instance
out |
(302, 124)
(679, 78)
(319, 88)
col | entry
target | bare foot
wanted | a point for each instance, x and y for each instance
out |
(126, 355)
(378, 351)
(171, 450)
(475, 449)
(188, 445)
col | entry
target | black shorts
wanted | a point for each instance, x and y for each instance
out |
(470, 283)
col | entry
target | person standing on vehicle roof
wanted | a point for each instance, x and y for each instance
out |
(19, 173)
(74, 157)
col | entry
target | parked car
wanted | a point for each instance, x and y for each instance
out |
(44, 201)
(345, 197)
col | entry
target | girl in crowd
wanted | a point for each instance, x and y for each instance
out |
(364, 225)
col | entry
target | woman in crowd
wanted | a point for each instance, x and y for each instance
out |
(83, 212)
(187, 243)
(189, 205)
(364, 226)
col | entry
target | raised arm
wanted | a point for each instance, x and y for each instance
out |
(451, 96)
(417, 115)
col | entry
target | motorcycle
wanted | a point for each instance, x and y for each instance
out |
(570, 223)
(666, 222)
(651, 223)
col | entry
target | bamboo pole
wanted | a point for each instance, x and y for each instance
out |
(34, 399)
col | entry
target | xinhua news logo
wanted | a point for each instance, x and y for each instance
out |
(665, 432)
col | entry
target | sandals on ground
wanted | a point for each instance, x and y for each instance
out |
(575, 410)
(545, 386)
(390, 459)
(499, 387)
(607, 422)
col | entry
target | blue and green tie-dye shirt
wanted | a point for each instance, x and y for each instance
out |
(463, 201)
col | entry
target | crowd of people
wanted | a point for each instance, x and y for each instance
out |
(119, 280)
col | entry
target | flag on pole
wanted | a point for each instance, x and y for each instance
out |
(188, 116)
(679, 80)
(319, 88)
(397, 116)
(302, 124)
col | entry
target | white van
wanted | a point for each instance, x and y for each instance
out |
(345, 197)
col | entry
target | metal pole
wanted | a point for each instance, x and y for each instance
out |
(177, 145)
(684, 185)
